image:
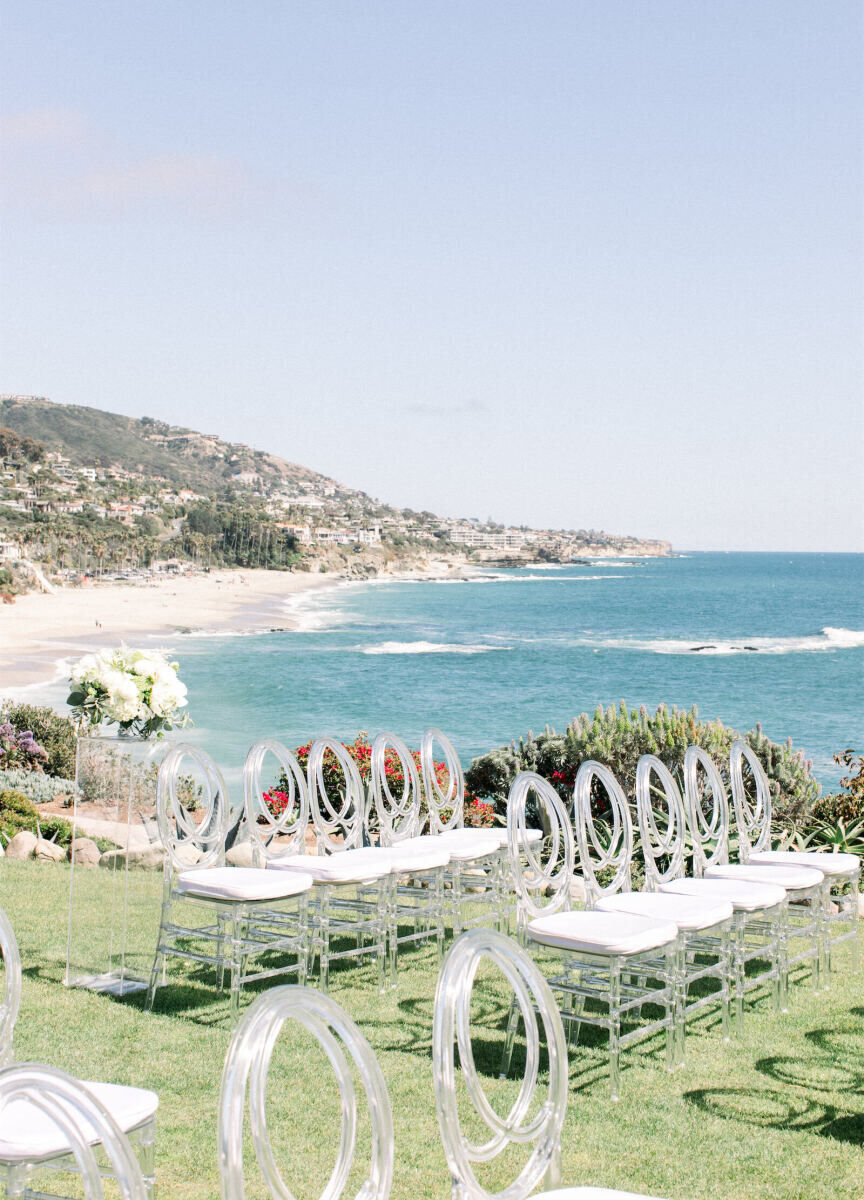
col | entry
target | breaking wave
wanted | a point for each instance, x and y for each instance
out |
(427, 648)
(829, 639)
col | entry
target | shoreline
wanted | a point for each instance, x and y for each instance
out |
(41, 631)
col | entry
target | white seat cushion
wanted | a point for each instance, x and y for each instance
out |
(602, 932)
(591, 1193)
(828, 864)
(743, 896)
(27, 1133)
(243, 883)
(791, 878)
(351, 866)
(529, 838)
(687, 912)
(465, 845)
(417, 854)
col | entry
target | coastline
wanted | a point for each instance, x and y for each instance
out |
(41, 630)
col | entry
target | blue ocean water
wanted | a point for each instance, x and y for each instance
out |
(776, 638)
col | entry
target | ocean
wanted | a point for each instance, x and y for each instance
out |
(773, 638)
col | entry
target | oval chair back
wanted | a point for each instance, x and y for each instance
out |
(179, 807)
(662, 822)
(438, 797)
(11, 1001)
(451, 1032)
(286, 815)
(541, 870)
(82, 1121)
(339, 819)
(707, 810)
(399, 814)
(246, 1071)
(752, 814)
(605, 844)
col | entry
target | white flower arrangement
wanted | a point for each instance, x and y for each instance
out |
(135, 689)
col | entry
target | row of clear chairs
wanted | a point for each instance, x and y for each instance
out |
(49, 1120)
(382, 874)
(629, 949)
(51, 1123)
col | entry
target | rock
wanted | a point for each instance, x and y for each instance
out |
(22, 845)
(240, 855)
(145, 858)
(84, 852)
(2, 851)
(186, 854)
(48, 851)
(577, 890)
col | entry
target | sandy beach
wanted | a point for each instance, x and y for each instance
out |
(40, 628)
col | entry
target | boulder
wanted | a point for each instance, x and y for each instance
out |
(48, 851)
(188, 855)
(240, 855)
(84, 852)
(22, 845)
(577, 890)
(145, 858)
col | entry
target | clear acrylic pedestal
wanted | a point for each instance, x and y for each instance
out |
(114, 907)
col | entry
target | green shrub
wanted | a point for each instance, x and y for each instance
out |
(18, 812)
(841, 806)
(619, 737)
(41, 789)
(54, 733)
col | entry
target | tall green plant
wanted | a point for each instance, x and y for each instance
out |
(618, 737)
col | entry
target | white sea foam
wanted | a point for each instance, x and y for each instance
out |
(829, 639)
(427, 648)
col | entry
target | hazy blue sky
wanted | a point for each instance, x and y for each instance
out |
(560, 262)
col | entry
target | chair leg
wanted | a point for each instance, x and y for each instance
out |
(512, 1023)
(615, 1029)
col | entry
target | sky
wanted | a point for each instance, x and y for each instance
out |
(563, 263)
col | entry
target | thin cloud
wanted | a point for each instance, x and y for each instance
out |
(44, 126)
(465, 408)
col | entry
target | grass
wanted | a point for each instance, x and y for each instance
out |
(776, 1115)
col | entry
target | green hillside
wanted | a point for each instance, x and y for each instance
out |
(184, 457)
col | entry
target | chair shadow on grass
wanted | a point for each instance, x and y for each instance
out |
(834, 1070)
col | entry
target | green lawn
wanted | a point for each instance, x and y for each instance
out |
(776, 1115)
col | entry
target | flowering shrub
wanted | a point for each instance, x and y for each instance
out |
(276, 801)
(19, 750)
(135, 689)
(477, 813)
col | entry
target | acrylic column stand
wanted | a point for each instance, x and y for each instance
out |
(114, 908)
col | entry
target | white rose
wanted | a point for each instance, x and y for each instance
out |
(164, 698)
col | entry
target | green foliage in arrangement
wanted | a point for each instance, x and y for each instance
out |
(619, 737)
(54, 733)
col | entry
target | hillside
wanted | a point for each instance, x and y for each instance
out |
(184, 457)
(85, 492)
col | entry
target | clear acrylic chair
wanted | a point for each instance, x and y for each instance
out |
(11, 989)
(704, 925)
(249, 913)
(753, 818)
(48, 1120)
(477, 878)
(535, 1119)
(347, 908)
(246, 1074)
(616, 961)
(803, 921)
(760, 906)
(28, 1144)
(417, 896)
